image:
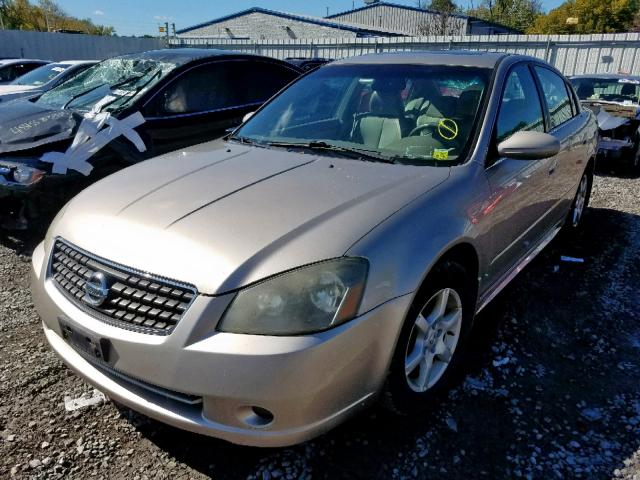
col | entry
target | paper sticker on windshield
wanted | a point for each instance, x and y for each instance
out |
(440, 154)
(58, 69)
(123, 93)
(629, 80)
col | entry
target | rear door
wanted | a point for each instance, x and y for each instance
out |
(202, 103)
(570, 127)
(520, 195)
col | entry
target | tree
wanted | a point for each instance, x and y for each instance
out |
(46, 16)
(446, 22)
(593, 16)
(516, 14)
(443, 6)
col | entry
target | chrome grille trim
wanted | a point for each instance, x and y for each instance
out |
(137, 300)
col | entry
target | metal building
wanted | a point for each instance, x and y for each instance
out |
(261, 24)
(417, 21)
(376, 19)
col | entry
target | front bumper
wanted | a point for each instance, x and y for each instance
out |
(207, 382)
(610, 149)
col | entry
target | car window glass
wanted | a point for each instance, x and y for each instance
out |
(125, 79)
(520, 108)
(418, 113)
(260, 80)
(5, 74)
(221, 85)
(556, 96)
(623, 90)
(41, 75)
(204, 88)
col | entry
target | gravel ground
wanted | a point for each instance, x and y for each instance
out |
(552, 390)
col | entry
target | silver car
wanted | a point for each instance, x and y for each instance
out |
(334, 250)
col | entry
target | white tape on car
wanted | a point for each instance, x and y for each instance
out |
(96, 130)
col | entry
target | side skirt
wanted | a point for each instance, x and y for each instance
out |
(494, 290)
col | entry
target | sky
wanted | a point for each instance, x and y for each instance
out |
(140, 17)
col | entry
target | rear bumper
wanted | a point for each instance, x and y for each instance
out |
(207, 382)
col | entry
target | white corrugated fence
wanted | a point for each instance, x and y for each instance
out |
(571, 54)
(67, 46)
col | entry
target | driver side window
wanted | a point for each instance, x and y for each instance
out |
(201, 89)
(520, 107)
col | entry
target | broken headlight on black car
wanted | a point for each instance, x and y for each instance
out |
(21, 175)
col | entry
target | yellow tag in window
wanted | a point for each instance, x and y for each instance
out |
(441, 154)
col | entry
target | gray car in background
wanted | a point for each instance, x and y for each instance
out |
(42, 79)
(334, 250)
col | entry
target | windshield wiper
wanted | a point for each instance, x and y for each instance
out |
(246, 140)
(352, 152)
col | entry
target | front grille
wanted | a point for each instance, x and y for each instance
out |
(135, 300)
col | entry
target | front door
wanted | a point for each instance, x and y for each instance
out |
(521, 197)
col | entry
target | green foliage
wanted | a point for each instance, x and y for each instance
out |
(593, 16)
(443, 6)
(517, 14)
(46, 16)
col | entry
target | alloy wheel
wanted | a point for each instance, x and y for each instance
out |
(581, 198)
(433, 340)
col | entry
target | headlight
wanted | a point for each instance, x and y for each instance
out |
(307, 300)
(26, 175)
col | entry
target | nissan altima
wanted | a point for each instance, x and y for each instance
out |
(332, 251)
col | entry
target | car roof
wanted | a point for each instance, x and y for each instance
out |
(182, 56)
(9, 61)
(467, 58)
(77, 62)
(606, 76)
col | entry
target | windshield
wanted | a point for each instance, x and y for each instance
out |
(122, 78)
(621, 90)
(41, 75)
(412, 113)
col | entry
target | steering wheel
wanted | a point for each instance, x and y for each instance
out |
(420, 128)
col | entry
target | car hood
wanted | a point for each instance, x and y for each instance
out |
(6, 89)
(222, 216)
(22, 123)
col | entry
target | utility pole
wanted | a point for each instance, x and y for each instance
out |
(173, 29)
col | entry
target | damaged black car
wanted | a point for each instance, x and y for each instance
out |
(119, 112)
(615, 100)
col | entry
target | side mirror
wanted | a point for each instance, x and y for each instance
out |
(247, 116)
(529, 146)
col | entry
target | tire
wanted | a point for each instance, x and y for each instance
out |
(580, 202)
(634, 164)
(409, 390)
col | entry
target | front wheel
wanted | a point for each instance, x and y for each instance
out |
(581, 201)
(430, 348)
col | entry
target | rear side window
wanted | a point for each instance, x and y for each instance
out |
(520, 108)
(556, 96)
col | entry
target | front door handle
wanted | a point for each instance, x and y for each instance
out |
(553, 167)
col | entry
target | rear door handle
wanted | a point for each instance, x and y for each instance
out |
(554, 165)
